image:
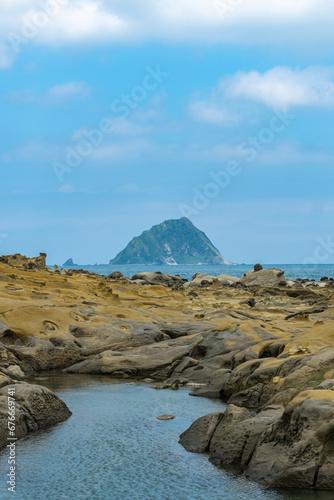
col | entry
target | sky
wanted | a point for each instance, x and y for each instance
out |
(119, 114)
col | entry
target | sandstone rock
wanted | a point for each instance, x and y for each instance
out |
(197, 438)
(264, 277)
(167, 280)
(257, 267)
(166, 417)
(115, 275)
(235, 438)
(213, 389)
(198, 278)
(290, 448)
(136, 362)
(18, 260)
(36, 408)
(297, 451)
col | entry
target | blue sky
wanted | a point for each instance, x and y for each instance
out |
(117, 115)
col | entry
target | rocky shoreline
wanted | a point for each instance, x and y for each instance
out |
(262, 343)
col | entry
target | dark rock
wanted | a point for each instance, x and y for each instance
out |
(115, 275)
(258, 267)
(69, 262)
(197, 438)
(36, 408)
(167, 280)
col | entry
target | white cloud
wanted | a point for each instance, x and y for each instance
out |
(68, 91)
(280, 88)
(209, 113)
(57, 95)
(122, 151)
(66, 188)
(250, 22)
(6, 56)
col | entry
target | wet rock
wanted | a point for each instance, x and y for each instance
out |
(197, 438)
(36, 408)
(297, 451)
(235, 438)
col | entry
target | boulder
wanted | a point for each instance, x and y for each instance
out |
(237, 434)
(199, 278)
(36, 408)
(264, 277)
(167, 280)
(115, 275)
(197, 438)
(298, 450)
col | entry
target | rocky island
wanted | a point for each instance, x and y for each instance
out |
(264, 344)
(175, 241)
(69, 263)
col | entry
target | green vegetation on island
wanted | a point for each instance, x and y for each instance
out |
(175, 241)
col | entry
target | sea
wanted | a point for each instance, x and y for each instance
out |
(293, 271)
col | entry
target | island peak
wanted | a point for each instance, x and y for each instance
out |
(173, 242)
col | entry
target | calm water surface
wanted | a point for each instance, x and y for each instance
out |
(114, 448)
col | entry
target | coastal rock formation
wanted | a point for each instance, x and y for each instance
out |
(264, 277)
(277, 447)
(18, 260)
(134, 362)
(158, 278)
(263, 348)
(200, 280)
(69, 262)
(35, 408)
(175, 241)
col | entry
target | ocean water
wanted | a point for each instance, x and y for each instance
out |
(114, 448)
(292, 271)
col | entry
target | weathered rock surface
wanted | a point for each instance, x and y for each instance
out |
(298, 450)
(264, 277)
(291, 448)
(198, 437)
(18, 260)
(157, 278)
(256, 346)
(35, 408)
(136, 362)
(201, 280)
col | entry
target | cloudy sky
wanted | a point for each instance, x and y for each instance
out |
(119, 114)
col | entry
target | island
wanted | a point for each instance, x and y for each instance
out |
(69, 262)
(173, 242)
